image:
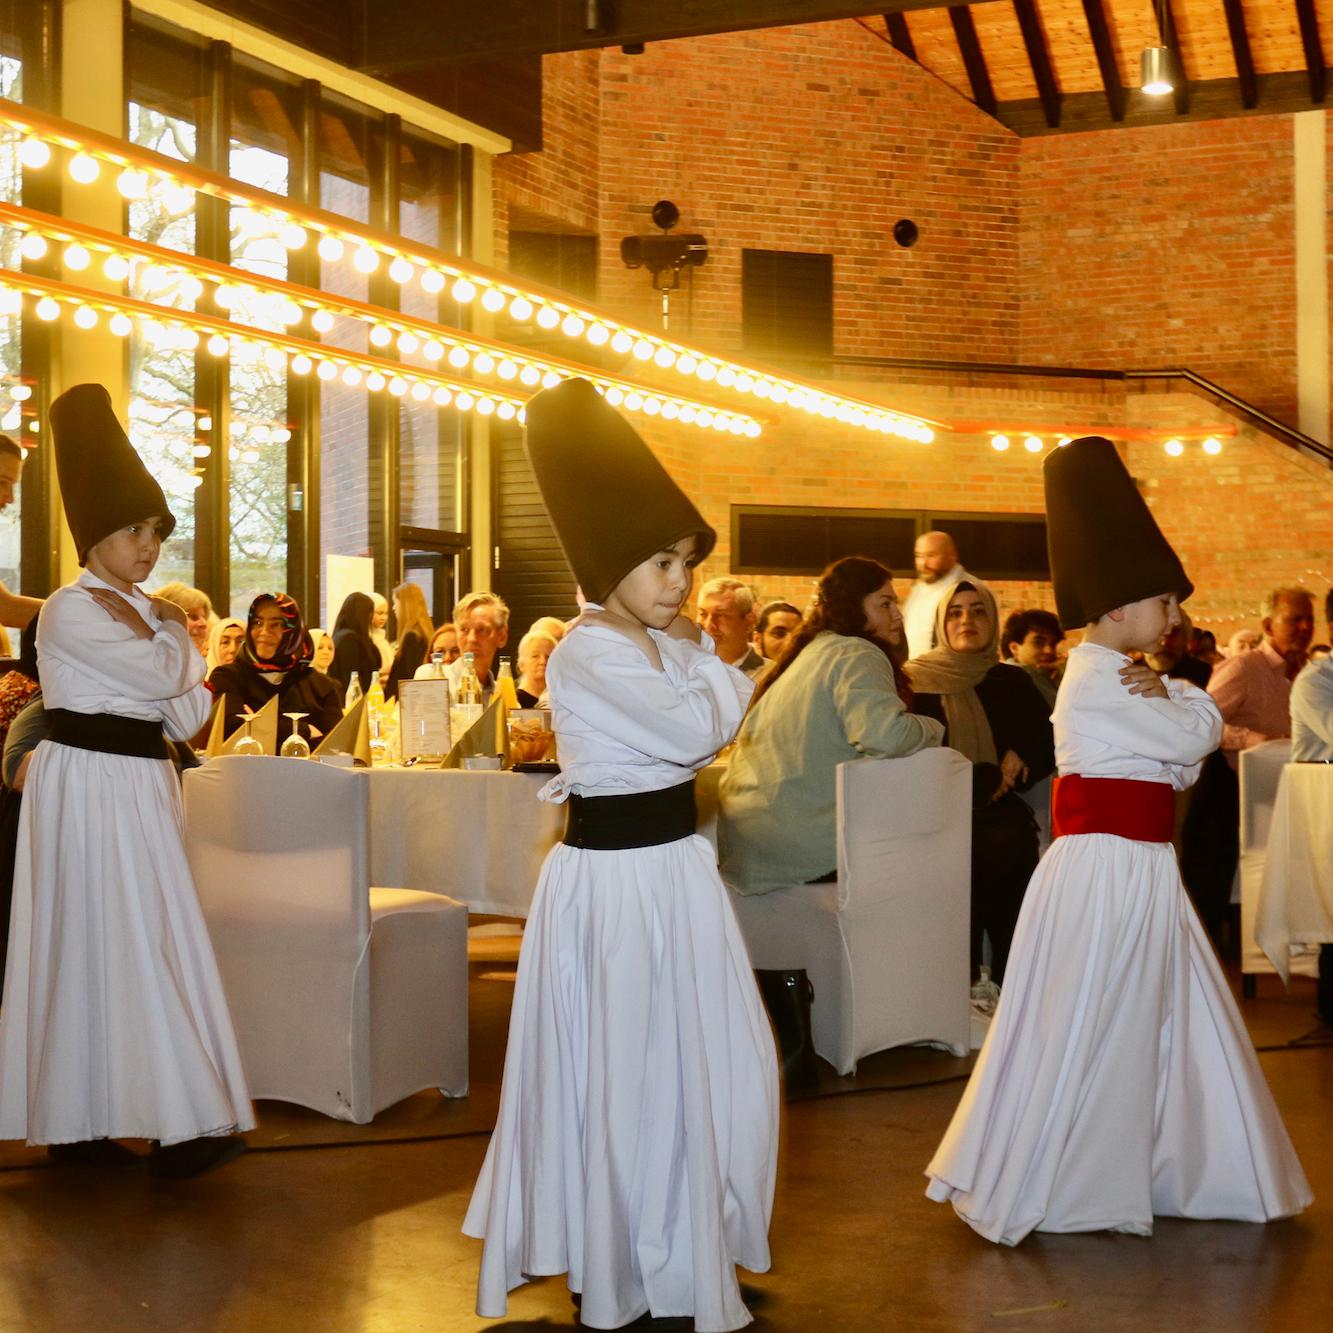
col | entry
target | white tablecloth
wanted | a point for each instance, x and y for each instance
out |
(1296, 900)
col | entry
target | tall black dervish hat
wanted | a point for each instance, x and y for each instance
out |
(103, 482)
(1105, 546)
(611, 502)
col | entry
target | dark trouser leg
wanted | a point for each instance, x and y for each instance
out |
(1324, 994)
(1004, 855)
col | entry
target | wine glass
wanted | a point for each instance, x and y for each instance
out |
(248, 743)
(295, 746)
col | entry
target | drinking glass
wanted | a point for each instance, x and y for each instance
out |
(248, 743)
(295, 746)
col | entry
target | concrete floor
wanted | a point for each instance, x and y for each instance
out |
(341, 1227)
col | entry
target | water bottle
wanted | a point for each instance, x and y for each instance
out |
(436, 666)
(353, 693)
(985, 994)
(467, 705)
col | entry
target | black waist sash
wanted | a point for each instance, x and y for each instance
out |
(637, 819)
(108, 734)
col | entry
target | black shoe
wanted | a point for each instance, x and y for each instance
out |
(195, 1157)
(104, 1153)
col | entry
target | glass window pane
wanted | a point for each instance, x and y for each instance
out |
(429, 459)
(11, 326)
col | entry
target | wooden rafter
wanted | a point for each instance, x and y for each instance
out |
(1240, 47)
(1039, 58)
(1171, 40)
(1105, 51)
(965, 30)
(1314, 53)
(900, 34)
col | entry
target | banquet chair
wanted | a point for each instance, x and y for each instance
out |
(887, 945)
(345, 998)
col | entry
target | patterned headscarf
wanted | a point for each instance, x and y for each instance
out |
(294, 649)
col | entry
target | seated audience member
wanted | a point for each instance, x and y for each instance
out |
(198, 611)
(1172, 658)
(20, 684)
(482, 621)
(726, 612)
(552, 626)
(994, 716)
(1244, 641)
(415, 632)
(379, 636)
(1203, 645)
(224, 642)
(23, 734)
(1312, 707)
(831, 697)
(354, 652)
(777, 622)
(534, 651)
(324, 650)
(275, 660)
(1030, 640)
(445, 642)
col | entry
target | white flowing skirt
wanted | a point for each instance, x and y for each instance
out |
(1117, 1080)
(636, 1143)
(114, 1022)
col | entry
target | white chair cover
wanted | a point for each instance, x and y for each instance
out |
(887, 945)
(345, 998)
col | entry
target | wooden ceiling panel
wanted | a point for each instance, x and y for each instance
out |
(1006, 56)
(1070, 44)
(937, 47)
(1201, 26)
(1275, 34)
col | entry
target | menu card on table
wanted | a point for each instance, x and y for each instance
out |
(423, 728)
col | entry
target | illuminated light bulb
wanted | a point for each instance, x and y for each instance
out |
(326, 370)
(380, 336)
(707, 371)
(47, 309)
(925, 435)
(621, 342)
(249, 455)
(432, 349)
(670, 411)
(330, 248)
(178, 199)
(226, 296)
(282, 435)
(643, 350)
(744, 383)
(634, 401)
(752, 429)
(484, 363)
(548, 317)
(1059, 444)
(506, 411)
(35, 426)
(32, 246)
(351, 376)
(432, 281)
(599, 390)
(322, 321)
(218, 345)
(263, 435)
(11, 302)
(1212, 445)
(202, 450)
(132, 183)
(859, 418)
(459, 357)
(205, 424)
(599, 335)
(397, 387)
(408, 343)
(999, 443)
(300, 364)
(463, 291)
(763, 389)
(292, 235)
(827, 408)
(843, 413)
(722, 422)
(652, 406)
(664, 357)
(572, 326)
(486, 406)
(736, 426)
(687, 364)
(20, 393)
(188, 339)
(1032, 444)
(464, 401)
(195, 480)
(614, 396)
(520, 308)
(530, 376)
(77, 257)
(780, 393)
(726, 377)
(191, 289)
(401, 270)
(442, 397)
(375, 381)
(366, 259)
(704, 418)
(84, 168)
(550, 380)
(34, 153)
(507, 369)
(688, 414)
(421, 391)
(1174, 448)
(493, 300)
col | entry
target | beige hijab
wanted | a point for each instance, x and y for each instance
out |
(954, 677)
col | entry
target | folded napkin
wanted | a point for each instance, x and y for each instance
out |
(487, 735)
(350, 736)
(263, 727)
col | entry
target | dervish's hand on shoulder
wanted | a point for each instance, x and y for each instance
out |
(1139, 678)
(122, 612)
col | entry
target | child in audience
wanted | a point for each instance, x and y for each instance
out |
(636, 1142)
(114, 1024)
(1117, 1081)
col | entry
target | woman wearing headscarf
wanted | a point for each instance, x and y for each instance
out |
(224, 642)
(354, 653)
(994, 716)
(275, 659)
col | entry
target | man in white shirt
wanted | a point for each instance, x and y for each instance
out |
(482, 622)
(726, 611)
(14, 610)
(937, 570)
(1312, 706)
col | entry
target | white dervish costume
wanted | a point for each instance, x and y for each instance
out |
(114, 1023)
(636, 1142)
(1117, 1081)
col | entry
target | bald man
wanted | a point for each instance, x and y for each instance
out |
(937, 571)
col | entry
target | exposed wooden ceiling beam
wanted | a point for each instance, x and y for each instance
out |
(1240, 49)
(1314, 53)
(411, 34)
(1039, 58)
(1105, 50)
(983, 94)
(900, 34)
(1170, 39)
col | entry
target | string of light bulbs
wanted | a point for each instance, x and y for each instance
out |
(494, 290)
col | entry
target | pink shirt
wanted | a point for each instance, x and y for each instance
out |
(1254, 695)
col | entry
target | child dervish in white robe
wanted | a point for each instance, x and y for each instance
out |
(636, 1142)
(1117, 1081)
(114, 1023)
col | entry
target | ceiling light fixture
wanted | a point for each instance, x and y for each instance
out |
(1155, 62)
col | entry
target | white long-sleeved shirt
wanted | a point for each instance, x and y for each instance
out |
(1312, 713)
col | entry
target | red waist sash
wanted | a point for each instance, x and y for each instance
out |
(1143, 811)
